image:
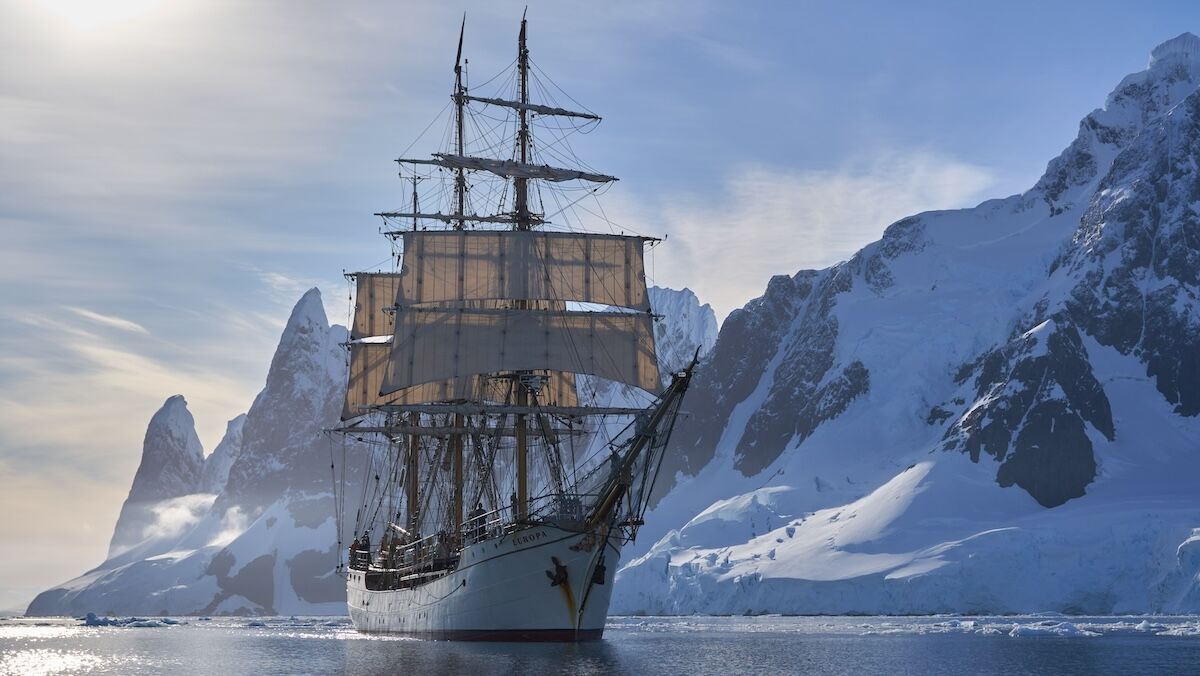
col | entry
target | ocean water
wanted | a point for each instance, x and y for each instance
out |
(928, 646)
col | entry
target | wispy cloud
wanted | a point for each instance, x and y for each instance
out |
(109, 320)
(173, 516)
(772, 220)
(285, 288)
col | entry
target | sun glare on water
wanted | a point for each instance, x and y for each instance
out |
(95, 16)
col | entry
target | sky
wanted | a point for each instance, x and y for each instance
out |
(174, 175)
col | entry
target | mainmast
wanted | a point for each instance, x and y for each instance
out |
(460, 193)
(521, 186)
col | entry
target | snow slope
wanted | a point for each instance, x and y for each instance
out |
(988, 409)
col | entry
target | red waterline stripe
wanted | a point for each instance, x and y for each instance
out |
(504, 635)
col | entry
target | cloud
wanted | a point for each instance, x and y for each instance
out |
(175, 515)
(285, 288)
(770, 220)
(233, 524)
(105, 388)
(109, 320)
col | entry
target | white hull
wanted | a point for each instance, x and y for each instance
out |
(501, 591)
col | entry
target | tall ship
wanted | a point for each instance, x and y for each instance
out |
(504, 374)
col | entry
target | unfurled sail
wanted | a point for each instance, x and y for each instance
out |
(374, 299)
(369, 364)
(467, 265)
(434, 344)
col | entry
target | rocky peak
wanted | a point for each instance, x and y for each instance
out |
(171, 464)
(281, 435)
(1171, 75)
(1141, 98)
(1185, 47)
(1133, 269)
(171, 454)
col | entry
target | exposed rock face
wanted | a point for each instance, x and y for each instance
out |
(172, 460)
(1031, 399)
(730, 373)
(1135, 261)
(282, 436)
(774, 359)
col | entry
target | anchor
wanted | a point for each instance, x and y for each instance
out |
(559, 576)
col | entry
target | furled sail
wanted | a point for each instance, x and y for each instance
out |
(450, 218)
(533, 107)
(513, 169)
(434, 344)
(466, 265)
(376, 292)
(368, 366)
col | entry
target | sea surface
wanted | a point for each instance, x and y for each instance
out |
(928, 646)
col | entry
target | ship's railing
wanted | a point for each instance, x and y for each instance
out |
(568, 510)
(440, 551)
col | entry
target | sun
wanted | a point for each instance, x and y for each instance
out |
(91, 16)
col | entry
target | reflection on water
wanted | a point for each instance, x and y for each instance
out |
(48, 661)
(696, 645)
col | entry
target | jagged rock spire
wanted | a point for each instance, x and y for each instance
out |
(172, 460)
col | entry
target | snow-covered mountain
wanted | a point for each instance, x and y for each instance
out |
(250, 529)
(990, 409)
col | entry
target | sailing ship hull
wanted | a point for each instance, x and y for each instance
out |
(503, 590)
